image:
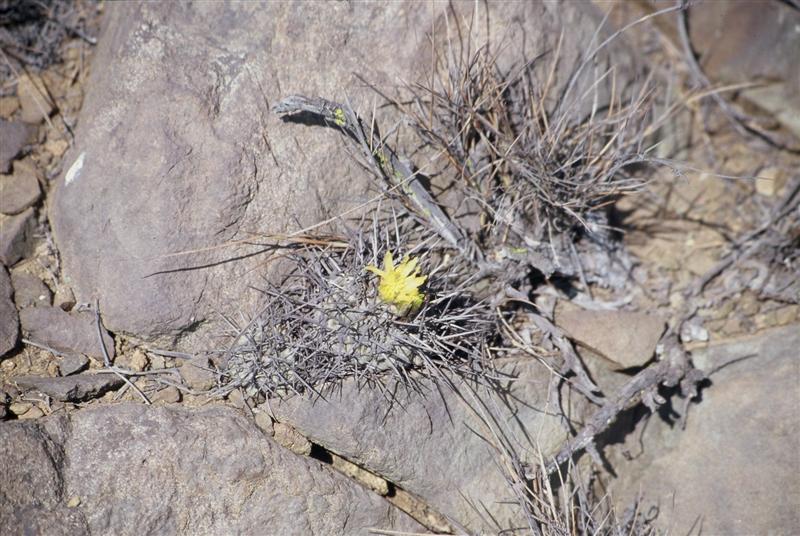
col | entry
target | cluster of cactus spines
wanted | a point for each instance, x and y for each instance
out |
(326, 322)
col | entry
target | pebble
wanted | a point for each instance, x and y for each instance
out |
(135, 361)
(19, 408)
(8, 105)
(15, 136)
(197, 374)
(8, 365)
(73, 363)
(56, 147)
(168, 395)
(236, 398)
(19, 190)
(770, 181)
(9, 318)
(74, 502)
(264, 422)
(33, 413)
(16, 236)
(33, 100)
(29, 290)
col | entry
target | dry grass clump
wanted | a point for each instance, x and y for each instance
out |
(540, 164)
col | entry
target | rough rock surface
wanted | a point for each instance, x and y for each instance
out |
(29, 290)
(734, 38)
(14, 135)
(198, 374)
(33, 99)
(72, 364)
(179, 94)
(626, 339)
(74, 332)
(33, 495)
(71, 388)
(734, 469)
(19, 190)
(9, 319)
(16, 236)
(184, 472)
(413, 438)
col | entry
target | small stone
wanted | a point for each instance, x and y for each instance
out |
(135, 361)
(64, 298)
(9, 318)
(157, 362)
(69, 333)
(15, 136)
(625, 338)
(264, 422)
(72, 364)
(290, 438)
(236, 399)
(29, 290)
(56, 147)
(770, 181)
(8, 365)
(33, 99)
(197, 374)
(19, 190)
(33, 413)
(168, 395)
(8, 106)
(78, 388)
(19, 408)
(16, 236)
(74, 502)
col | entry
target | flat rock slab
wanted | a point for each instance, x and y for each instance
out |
(625, 339)
(19, 190)
(434, 445)
(29, 290)
(68, 333)
(9, 319)
(734, 470)
(72, 364)
(14, 135)
(201, 161)
(76, 388)
(138, 470)
(16, 236)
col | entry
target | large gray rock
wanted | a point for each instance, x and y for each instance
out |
(176, 153)
(734, 470)
(438, 446)
(133, 469)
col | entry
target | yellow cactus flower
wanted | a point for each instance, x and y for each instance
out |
(399, 285)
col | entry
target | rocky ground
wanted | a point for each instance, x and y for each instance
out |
(150, 199)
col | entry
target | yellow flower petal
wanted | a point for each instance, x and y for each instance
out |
(399, 285)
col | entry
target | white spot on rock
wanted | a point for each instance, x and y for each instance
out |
(75, 169)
